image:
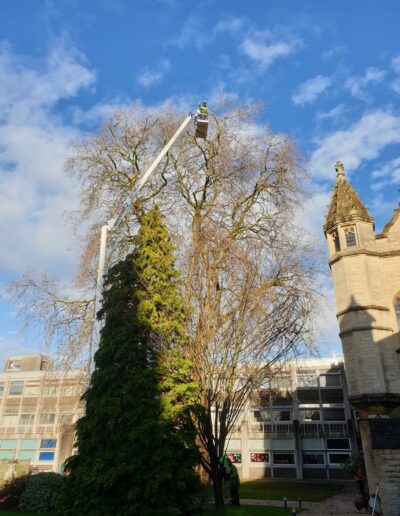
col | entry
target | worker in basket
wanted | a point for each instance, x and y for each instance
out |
(202, 112)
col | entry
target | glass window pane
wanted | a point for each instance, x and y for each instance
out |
(235, 457)
(281, 415)
(32, 389)
(283, 458)
(338, 444)
(307, 381)
(6, 455)
(28, 444)
(338, 458)
(26, 455)
(46, 456)
(8, 444)
(259, 457)
(16, 388)
(334, 414)
(309, 415)
(1, 387)
(308, 396)
(10, 419)
(47, 419)
(26, 419)
(313, 458)
(48, 443)
(330, 380)
(350, 237)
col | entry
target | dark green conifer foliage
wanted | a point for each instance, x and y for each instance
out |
(136, 445)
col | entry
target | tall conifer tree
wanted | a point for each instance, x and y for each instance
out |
(136, 451)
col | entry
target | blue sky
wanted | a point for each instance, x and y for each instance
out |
(328, 72)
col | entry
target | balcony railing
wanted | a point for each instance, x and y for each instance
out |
(324, 430)
(273, 428)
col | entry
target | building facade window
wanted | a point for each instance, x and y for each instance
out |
(10, 417)
(48, 443)
(313, 459)
(336, 459)
(16, 388)
(235, 457)
(350, 234)
(46, 456)
(309, 415)
(283, 458)
(47, 419)
(259, 457)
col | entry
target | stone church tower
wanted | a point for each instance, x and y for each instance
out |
(366, 278)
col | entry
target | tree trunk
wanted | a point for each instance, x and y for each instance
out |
(216, 478)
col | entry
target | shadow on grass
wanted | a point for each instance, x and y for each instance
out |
(278, 490)
(249, 510)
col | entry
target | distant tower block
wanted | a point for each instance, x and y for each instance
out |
(366, 278)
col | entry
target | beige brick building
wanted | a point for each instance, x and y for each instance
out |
(38, 409)
(366, 276)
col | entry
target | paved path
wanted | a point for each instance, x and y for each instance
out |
(340, 504)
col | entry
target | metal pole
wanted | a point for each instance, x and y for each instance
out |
(94, 338)
(143, 179)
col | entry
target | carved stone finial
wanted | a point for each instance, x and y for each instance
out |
(339, 169)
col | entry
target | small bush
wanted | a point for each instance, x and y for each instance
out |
(11, 492)
(41, 491)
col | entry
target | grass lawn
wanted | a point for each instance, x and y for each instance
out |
(279, 489)
(249, 510)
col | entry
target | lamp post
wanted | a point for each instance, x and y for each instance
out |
(200, 119)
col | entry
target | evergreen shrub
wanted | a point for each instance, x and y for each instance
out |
(40, 492)
(11, 492)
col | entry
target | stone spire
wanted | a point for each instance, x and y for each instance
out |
(345, 204)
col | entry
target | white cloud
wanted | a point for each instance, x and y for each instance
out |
(362, 141)
(395, 85)
(197, 31)
(334, 52)
(309, 90)
(395, 62)
(335, 113)
(389, 173)
(265, 48)
(33, 147)
(356, 84)
(153, 76)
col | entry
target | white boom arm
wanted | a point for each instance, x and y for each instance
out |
(111, 224)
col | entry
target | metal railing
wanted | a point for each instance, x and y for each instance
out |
(272, 428)
(324, 430)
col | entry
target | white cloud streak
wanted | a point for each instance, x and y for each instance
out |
(196, 30)
(309, 90)
(362, 141)
(264, 48)
(150, 77)
(356, 84)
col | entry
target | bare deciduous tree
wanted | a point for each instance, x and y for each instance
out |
(248, 271)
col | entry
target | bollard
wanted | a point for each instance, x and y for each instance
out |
(299, 500)
(285, 503)
(294, 513)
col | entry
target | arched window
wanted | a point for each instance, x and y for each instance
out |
(397, 310)
(350, 234)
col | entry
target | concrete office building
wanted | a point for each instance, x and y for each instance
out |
(38, 409)
(300, 426)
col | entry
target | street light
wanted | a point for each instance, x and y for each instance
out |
(200, 119)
